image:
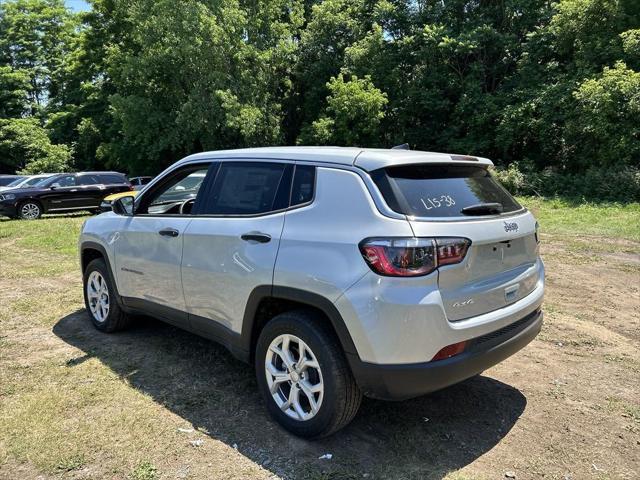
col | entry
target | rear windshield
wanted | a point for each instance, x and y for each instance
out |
(440, 190)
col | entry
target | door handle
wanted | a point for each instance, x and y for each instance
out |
(256, 237)
(169, 232)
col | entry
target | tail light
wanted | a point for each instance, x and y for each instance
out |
(412, 257)
(131, 187)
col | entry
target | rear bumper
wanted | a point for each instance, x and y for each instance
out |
(403, 381)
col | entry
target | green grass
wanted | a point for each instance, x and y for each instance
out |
(560, 216)
(57, 234)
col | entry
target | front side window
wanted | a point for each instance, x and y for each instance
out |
(177, 195)
(63, 181)
(249, 188)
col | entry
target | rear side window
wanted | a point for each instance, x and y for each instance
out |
(440, 190)
(248, 188)
(111, 178)
(303, 185)
(88, 180)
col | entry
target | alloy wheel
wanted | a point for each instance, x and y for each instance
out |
(30, 211)
(98, 296)
(294, 377)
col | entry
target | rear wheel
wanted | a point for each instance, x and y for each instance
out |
(30, 210)
(100, 298)
(304, 377)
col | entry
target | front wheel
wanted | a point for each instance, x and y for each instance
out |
(30, 210)
(304, 376)
(100, 298)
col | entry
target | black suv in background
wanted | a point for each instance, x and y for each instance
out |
(62, 193)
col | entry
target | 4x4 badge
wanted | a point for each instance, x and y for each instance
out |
(510, 227)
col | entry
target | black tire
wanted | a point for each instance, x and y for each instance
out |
(30, 210)
(341, 397)
(116, 319)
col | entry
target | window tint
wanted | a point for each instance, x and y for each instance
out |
(65, 181)
(248, 188)
(303, 184)
(111, 178)
(178, 195)
(440, 190)
(88, 180)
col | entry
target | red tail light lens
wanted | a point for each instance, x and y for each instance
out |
(400, 257)
(412, 257)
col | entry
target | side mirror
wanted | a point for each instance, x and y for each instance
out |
(123, 206)
(55, 185)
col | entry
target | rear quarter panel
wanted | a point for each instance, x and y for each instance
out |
(319, 245)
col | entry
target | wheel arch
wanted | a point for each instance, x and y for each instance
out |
(266, 301)
(90, 251)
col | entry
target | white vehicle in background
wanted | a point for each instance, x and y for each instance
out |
(337, 272)
(26, 182)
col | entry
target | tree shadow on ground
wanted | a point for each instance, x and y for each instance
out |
(201, 382)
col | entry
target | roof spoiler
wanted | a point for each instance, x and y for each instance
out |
(404, 146)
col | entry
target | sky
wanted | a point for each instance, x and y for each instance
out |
(77, 5)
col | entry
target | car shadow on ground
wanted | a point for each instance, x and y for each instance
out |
(202, 383)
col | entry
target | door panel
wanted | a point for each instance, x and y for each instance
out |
(220, 269)
(148, 262)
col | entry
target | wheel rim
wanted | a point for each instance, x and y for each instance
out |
(98, 296)
(30, 211)
(294, 377)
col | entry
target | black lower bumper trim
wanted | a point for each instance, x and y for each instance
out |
(404, 381)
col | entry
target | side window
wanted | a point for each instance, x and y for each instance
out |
(248, 188)
(303, 185)
(66, 181)
(177, 195)
(88, 180)
(111, 179)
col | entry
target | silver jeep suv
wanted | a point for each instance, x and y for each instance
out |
(337, 272)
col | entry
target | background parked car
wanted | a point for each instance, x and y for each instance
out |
(26, 182)
(63, 193)
(139, 182)
(7, 179)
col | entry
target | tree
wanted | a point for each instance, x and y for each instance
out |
(606, 127)
(34, 39)
(25, 147)
(14, 88)
(353, 114)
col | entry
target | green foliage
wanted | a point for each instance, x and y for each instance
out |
(14, 85)
(352, 116)
(145, 471)
(598, 184)
(25, 147)
(35, 37)
(607, 125)
(137, 85)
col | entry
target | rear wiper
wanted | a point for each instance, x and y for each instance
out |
(483, 209)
